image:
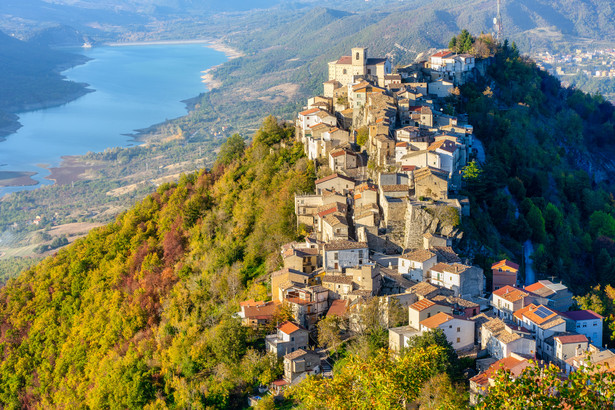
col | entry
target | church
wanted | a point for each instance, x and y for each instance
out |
(358, 64)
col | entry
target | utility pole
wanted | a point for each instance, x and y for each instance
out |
(497, 23)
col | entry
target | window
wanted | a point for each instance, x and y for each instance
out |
(429, 314)
(361, 255)
(584, 324)
(458, 329)
(458, 340)
(292, 338)
(345, 71)
(369, 71)
(357, 56)
(335, 255)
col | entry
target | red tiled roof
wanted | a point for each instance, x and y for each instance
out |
(436, 320)
(288, 328)
(310, 111)
(443, 53)
(338, 308)
(401, 144)
(408, 167)
(507, 364)
(422, 305)
(505, 262)
(534, 286)
(571, 339)
(345, 60)
(510, 293)
(265, 311)
(582, 315)
(280, 383)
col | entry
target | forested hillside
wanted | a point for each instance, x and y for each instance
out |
(138, 312)
(545, 180)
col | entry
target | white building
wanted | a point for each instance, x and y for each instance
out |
(459, 332)
(585, 322)
(417, 264)
(338, 255)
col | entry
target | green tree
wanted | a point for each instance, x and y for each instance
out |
(362, 136)
(232, 149)
(536, 387)
(537, 223)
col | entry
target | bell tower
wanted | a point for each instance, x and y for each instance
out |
(359, 60)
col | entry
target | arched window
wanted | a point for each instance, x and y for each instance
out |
(357, 56)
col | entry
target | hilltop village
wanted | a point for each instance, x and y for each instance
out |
(381, 228)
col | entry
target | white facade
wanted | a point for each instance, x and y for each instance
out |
(418, 271)
(338, 259)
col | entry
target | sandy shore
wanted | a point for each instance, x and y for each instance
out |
(217, 45)
(70, 170)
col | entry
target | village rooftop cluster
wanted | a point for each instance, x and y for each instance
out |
(381, 226)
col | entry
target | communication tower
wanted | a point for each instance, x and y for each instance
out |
(497, 23)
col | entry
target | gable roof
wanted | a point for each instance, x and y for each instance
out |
(443, 53)
(345, 60)
(514, 365)
(289, 327)
(510, 293)
(333, 176)
(345, 280)
(310, 111)
(422, 305)
(420, 255)
(338, 308)
(571, 339)
(297, 354)
(436, 320)
(505, 262)
(263, 312)
(344, 244)
(582, 315)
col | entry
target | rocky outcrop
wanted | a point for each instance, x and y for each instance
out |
(422, 218)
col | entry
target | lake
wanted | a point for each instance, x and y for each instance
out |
(135, 86)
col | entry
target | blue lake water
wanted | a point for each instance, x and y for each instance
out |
(135, 87)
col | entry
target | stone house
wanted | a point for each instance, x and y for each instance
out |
(507, 300)
(288, 338)
(338, 255)
(416, 264)
(553, 295)
(365, 194)
(341, 159)
(440, 88)
(399, 337)
(257, 313)
(430, 183)
(461, 307)
(504, 274)
(501, 340)
(465, 281)
(305, 260)
(299, 364)
(307, 304)
(450, 158)
(285, 276)
(336, 182)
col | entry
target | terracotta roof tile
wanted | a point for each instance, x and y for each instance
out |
(343, 244)
(420, 255)
(436, 320)
(310, 111)
(510, 293)
(422, 305)
(338, 308)
(571, 339)
(333, 176)
(505, 262)
(289, 328)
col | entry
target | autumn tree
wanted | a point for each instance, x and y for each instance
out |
(543, 388)
(378, 382)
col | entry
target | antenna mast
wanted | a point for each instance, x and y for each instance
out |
(497, 22)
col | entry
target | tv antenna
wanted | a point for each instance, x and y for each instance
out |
(497, 23)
